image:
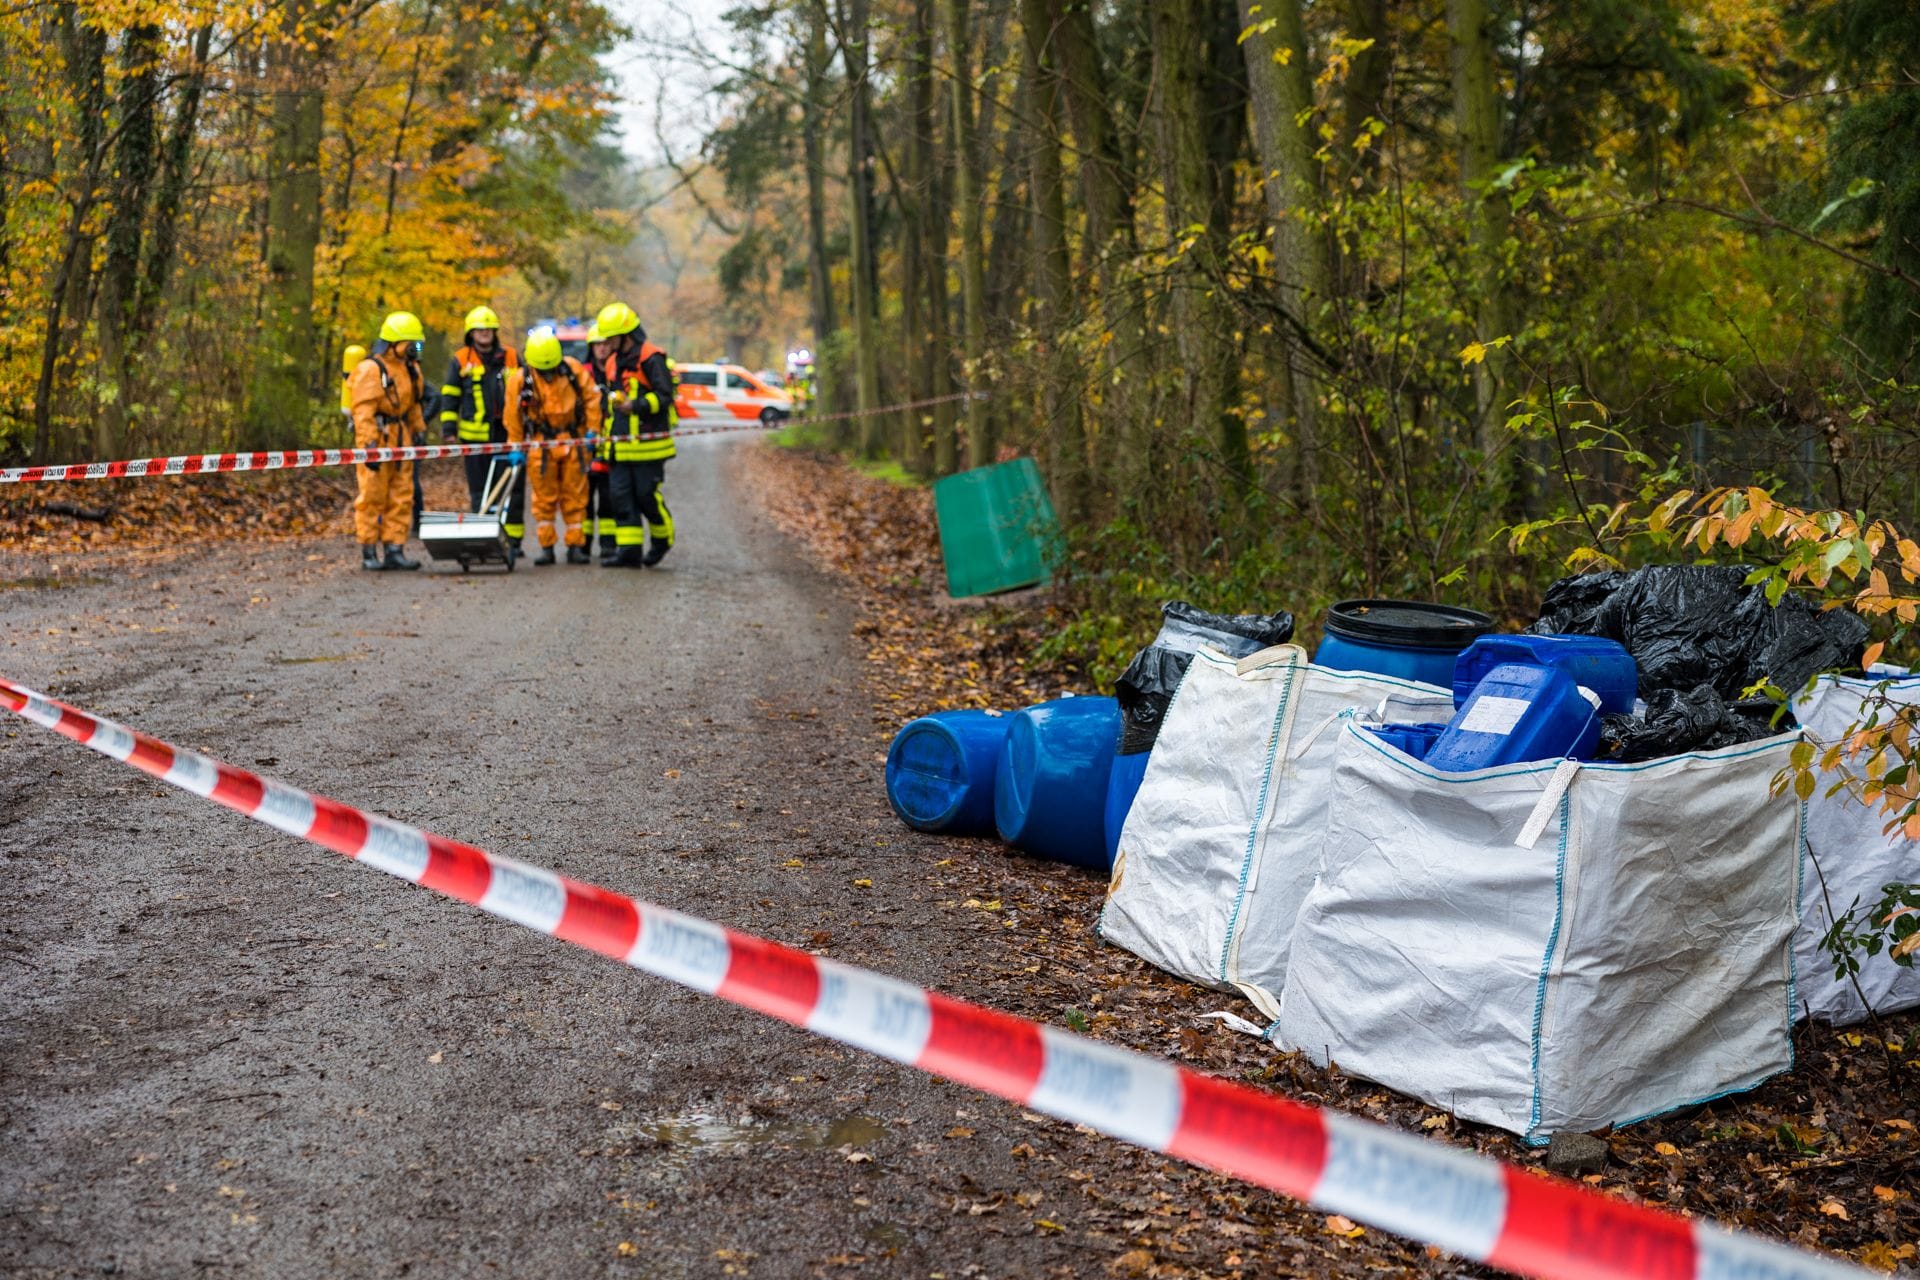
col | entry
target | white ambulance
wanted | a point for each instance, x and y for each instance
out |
(713, 394)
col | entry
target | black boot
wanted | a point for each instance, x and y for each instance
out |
(578, 555)
(396, 559)
(545, 556)
(609, 554)
(370, 557)
(630, 558)
(657, 552)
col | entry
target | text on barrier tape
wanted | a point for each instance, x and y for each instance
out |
(1466, 1204)
(193, 464)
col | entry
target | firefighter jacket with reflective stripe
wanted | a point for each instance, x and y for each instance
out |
(559, 402)
(644, 378)
(474, 397)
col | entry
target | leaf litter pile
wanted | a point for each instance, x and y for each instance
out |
(1824, 1156)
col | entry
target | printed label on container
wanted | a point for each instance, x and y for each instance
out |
(1493, 714)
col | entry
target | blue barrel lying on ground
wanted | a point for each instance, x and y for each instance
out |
(1518, 714)
(1123, 784)
(1594, 662)
(940, 771)
(1050, 790)
(1406, 639)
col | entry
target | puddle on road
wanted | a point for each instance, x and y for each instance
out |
(676, 1142)
(48, 583)
(890, 1236)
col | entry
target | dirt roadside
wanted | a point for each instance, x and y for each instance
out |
(222, 1050)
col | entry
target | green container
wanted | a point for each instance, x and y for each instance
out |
(997, 530)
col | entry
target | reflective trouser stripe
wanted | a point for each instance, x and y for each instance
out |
(662, 528)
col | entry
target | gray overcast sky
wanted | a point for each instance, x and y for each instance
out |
(640, 67)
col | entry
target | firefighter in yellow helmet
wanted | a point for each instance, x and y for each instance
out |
(554, 398)
(600, 525)
(639, 386)
(473, 408)
(385, 392)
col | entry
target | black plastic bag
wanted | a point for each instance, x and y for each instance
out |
(1676, 721)
(1694, 628)
(1145, 688)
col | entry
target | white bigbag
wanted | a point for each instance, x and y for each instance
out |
(1851, 857)
(1224, 836)
(1552, 947)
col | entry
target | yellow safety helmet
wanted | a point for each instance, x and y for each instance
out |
(350, 358)
(543, 349)
(402, 326)
(481, 318)
(593, 332)
(615, 319)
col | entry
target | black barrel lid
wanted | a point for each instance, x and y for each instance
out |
(1410, 623)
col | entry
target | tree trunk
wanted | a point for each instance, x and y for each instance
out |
(920, 351)
(967, 192)
(1061, 424)
(134, 163)
(1202, 326)
(1281, 94)
(860, 173)
(84, 48)
(946, 439)
(278, 408)
(1110, 245)
(1006, 253)
(1477, 117)
(175, 169)
(812, 122)
(1366, 87)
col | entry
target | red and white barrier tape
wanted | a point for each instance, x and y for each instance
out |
(892, 408)
(193, 464)
(1466, 1204)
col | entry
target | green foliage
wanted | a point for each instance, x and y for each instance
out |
(1890, 925)
(1872, 174)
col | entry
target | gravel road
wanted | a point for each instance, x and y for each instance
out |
(223, 1051)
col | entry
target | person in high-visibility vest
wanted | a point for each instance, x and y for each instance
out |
(554, 398)
(639, 386)
(600, 525)
(473, 408)
(384, 393)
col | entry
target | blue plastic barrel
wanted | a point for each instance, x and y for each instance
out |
(1518, 714)
(1050, 790)
(940, 771)
(1123, 784)
(1596, 662)
(1414, 739)
(1406, 639)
